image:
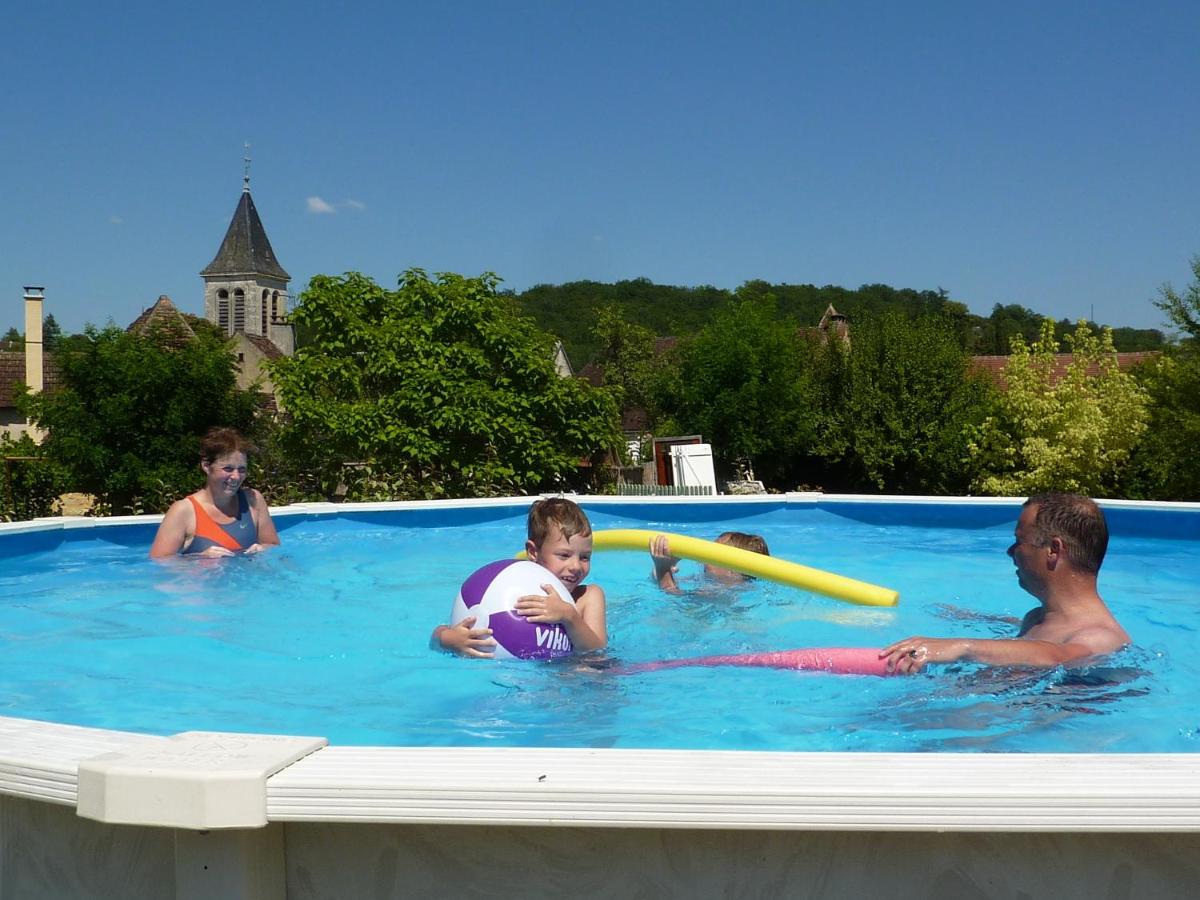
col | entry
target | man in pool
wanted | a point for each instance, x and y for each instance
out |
(666, 566)
(1060, 542)
(559, 538)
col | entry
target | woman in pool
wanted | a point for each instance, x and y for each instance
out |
(223, 518)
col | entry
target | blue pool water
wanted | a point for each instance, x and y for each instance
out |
(328, 635)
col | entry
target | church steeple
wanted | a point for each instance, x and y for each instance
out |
(246, 250)
(245, 287)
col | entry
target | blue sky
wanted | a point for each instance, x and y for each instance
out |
(1046, 154)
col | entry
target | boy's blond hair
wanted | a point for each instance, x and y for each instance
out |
(556, 512)
(742, 541)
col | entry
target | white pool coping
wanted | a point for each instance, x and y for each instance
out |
(1034, 792)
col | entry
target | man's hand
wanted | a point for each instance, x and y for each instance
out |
(909, 656)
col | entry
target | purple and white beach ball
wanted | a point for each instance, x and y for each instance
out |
(490, 594)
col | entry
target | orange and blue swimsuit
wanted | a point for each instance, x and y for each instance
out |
(236, 536)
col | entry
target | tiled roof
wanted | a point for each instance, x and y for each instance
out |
(634, 419)
(246, 250)
(265, 345)
(830, 315)
(165, 319)
(592, 374)
(993, 366)
(12, 373)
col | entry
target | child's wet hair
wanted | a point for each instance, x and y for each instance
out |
(743, 541)
(556, 512)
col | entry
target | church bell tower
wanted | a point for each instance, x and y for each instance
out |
(245, 287)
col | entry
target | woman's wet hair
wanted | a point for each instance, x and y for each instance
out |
(218, 442)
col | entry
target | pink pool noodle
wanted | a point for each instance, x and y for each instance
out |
(834, 660)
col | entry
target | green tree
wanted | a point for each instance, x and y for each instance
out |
(13, 339)
(1165, 464)
(902, 408)
(1009, 322)
(568, 310)
(884, 412)
(1183, 310)
(29, 483)
(1073, 433)
(744, 383)
(627, 358)
(126, 424)
(434, 389)
(52, 333)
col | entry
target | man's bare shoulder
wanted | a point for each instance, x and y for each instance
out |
(1106, 637)
(1098, 636)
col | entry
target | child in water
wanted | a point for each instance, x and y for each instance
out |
(559, 538)
(666, 565)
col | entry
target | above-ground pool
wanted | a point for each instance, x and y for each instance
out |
(328, 634)
(447, 777)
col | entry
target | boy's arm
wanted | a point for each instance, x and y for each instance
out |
(584, 621)
(464, 639)
(591, 632)
(665, 565)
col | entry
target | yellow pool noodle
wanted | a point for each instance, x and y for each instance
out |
(747, 562)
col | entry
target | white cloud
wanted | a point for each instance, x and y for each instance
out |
(355, 204)
(319, 206)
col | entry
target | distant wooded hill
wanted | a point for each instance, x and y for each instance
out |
(569, 312)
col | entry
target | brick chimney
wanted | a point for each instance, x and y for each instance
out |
(34, 363)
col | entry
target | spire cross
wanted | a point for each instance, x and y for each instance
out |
(246, 175)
